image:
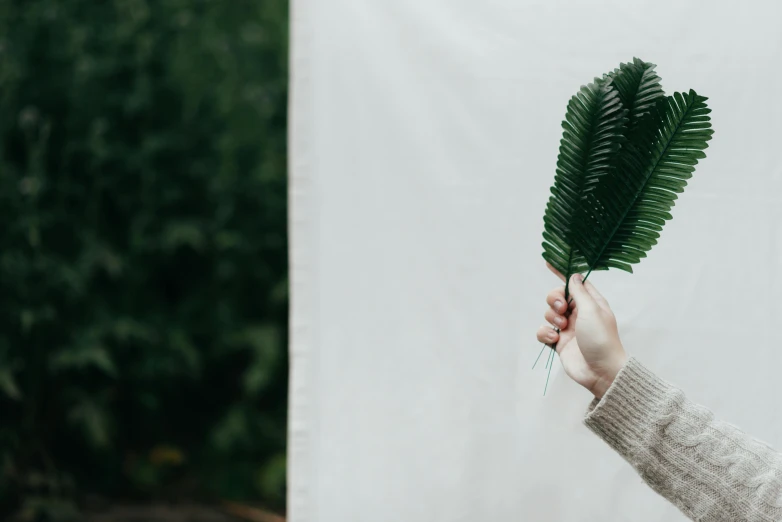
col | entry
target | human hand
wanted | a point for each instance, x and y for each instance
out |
(588, 341)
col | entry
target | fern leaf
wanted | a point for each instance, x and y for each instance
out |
(639, 88)
(592, 135)
(620, 220)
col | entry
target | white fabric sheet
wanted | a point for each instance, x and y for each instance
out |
(423, 144)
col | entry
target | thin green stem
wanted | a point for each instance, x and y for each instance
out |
(567, 272)
(551, 360)
(541, 353)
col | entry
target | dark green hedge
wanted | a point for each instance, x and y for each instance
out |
(143, 252)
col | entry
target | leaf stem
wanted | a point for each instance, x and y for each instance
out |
(551, 365)
(541, 353)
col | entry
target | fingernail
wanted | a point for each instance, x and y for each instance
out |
(578, 278)
(551, 336)
(557, 305)
(558, 320)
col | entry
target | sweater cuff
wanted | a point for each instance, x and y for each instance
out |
(627, 413)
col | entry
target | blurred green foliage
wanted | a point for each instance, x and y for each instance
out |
(143, 252)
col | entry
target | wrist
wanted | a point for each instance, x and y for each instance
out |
(606, 377)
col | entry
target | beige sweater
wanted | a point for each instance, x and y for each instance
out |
(709, 469)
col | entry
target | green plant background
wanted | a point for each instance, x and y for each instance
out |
(143, 251)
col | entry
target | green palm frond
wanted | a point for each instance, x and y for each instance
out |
(639, 88)
(593, 133)
(622, 217)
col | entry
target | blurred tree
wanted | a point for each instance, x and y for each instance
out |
(143, 250)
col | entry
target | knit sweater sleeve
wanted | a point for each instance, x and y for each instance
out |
(709, 469)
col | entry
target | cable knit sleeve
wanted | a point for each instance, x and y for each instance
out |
(709, 469)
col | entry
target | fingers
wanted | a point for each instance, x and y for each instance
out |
(555, 271)
(581, 296)
(547, 335)
(556, 300)
(556, 319)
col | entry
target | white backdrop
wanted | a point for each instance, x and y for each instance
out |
(424, 139)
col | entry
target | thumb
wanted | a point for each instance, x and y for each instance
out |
(581, 296)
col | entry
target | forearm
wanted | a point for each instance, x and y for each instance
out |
(708, 469)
